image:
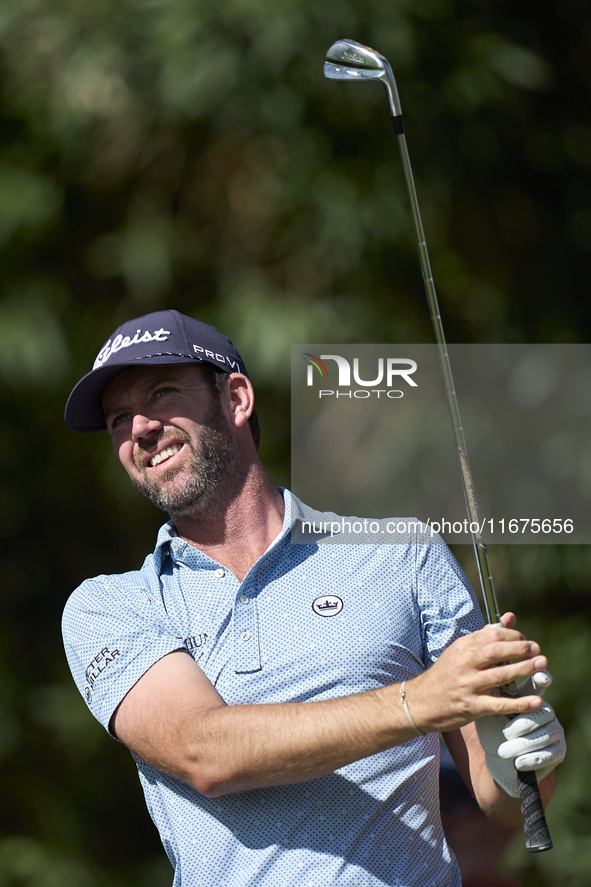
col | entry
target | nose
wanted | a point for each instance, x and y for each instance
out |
(143, 426)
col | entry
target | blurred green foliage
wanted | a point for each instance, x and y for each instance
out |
(160, 153)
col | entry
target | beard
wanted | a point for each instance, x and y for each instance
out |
(213, 470)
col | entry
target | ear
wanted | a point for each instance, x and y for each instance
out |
(241, 399)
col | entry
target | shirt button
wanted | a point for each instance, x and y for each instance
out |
(175, 546)
(220, 573)
(245, 636)
(244, 599)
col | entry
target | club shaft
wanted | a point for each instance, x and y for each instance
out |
(349, 60)
(486, 582)
(537, 836)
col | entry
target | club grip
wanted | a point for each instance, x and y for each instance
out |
(537, 836)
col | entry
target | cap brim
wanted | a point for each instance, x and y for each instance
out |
(84, 409)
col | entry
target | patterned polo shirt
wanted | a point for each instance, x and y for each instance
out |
(318, 620)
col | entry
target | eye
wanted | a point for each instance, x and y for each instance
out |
(118, 420)
(160, 392)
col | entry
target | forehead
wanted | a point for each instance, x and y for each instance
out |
(136, 381)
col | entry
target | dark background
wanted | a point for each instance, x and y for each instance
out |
(188, 154)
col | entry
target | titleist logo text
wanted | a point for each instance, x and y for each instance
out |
(120, 342)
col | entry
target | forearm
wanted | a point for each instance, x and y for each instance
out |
(175, 720)
(491, 798)
(241, 747)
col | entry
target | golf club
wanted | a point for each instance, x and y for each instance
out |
(349, 60)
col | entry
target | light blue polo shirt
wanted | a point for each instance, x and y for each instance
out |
(309, 621)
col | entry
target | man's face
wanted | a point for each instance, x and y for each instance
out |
(172, 435)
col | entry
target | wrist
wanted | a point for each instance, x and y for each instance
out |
(405, 704)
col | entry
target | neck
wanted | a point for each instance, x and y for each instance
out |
(238, 531)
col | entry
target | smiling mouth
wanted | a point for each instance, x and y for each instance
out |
(163, 455)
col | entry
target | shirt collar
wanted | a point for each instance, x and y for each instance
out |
(295, 510)
(166, 533)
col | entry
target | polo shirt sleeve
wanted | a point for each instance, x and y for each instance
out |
(448, 606)
(114, 630)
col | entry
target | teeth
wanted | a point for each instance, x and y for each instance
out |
(164, 454)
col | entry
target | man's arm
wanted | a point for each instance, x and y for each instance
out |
(468, 755)
(174, 719)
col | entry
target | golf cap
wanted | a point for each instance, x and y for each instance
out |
(160, 338)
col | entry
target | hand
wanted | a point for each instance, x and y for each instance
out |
(461, 686)
(531, 741)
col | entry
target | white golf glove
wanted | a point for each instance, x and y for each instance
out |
(532, 741)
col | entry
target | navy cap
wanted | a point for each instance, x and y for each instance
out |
(160, 338)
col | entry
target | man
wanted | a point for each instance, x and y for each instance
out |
(283, 701)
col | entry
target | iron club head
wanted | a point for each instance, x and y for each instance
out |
(349, 60)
